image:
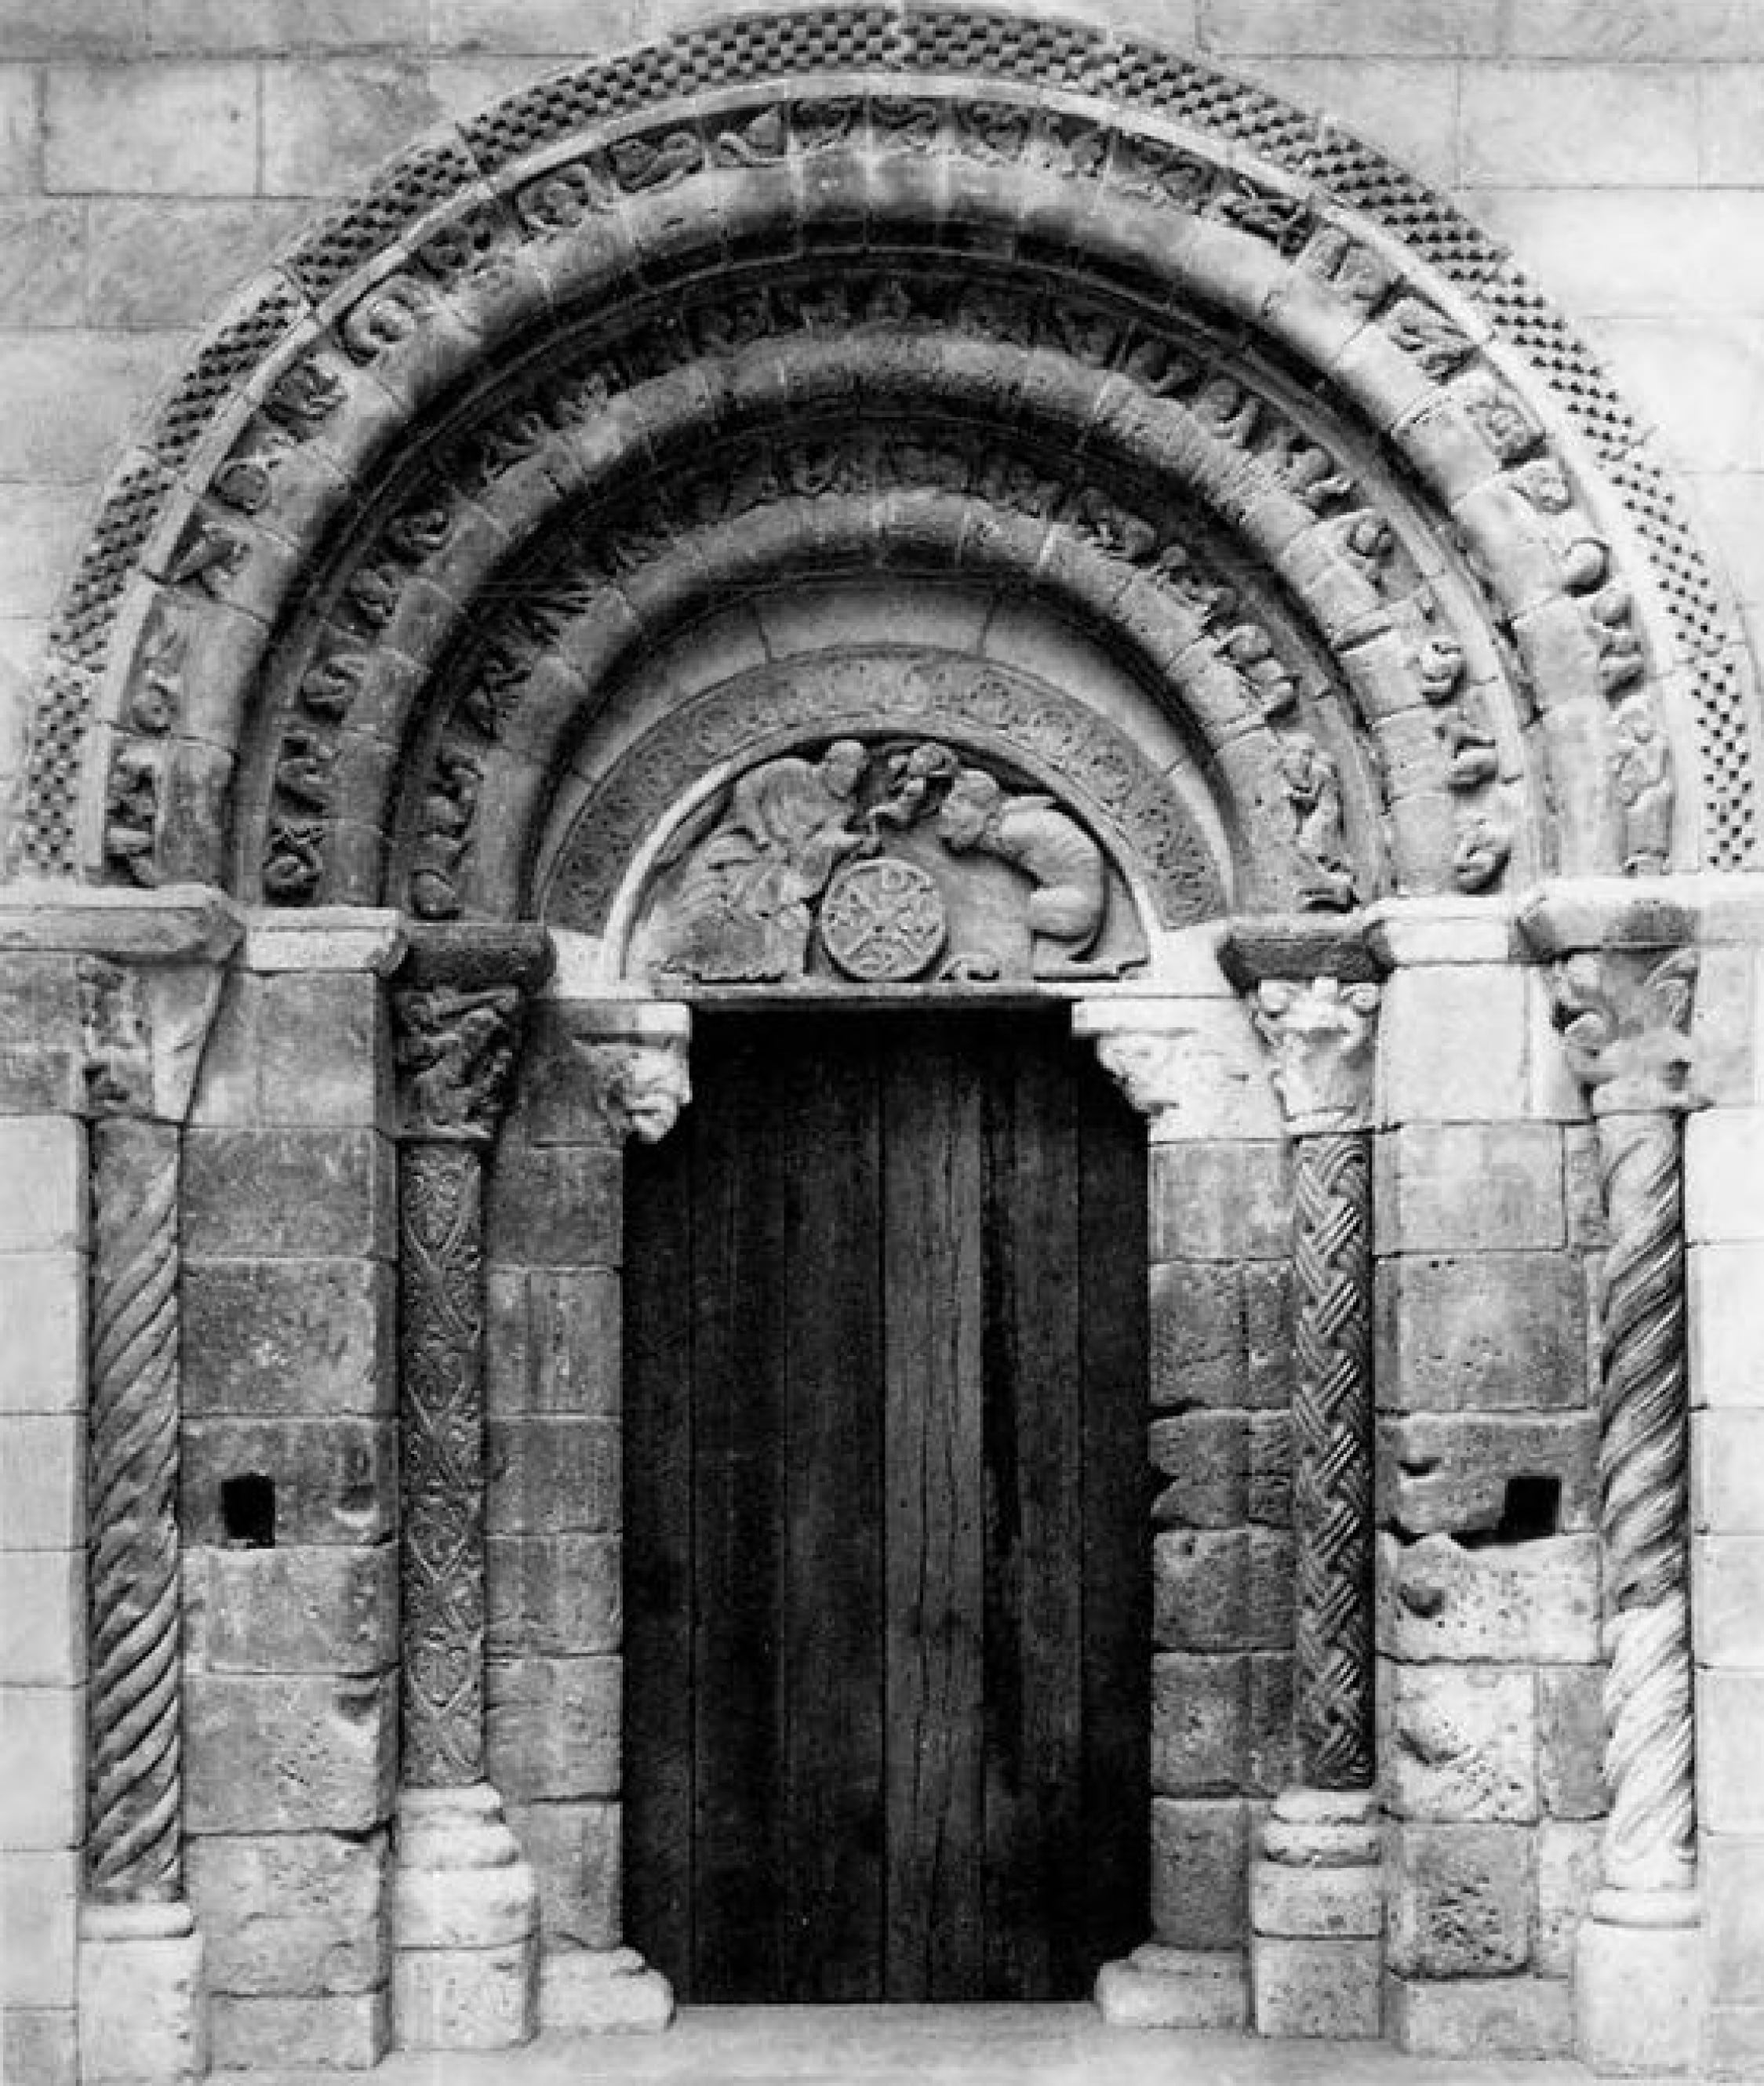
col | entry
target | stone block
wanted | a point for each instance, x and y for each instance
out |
(1732, 1880)
(1568, 1854)
(1728, 1614)
(1220, 1200)
(1179, 1988)
(21, 129)
(1268, 1334)
(1317, 1903)
(327, 123)
(1723, 1162)
(1724, 1303)
(553, 1725)
(276, 27)
(283, 1338)
(1730, 1715)
(556, 1205)
(331, 1480)
(1479, 2018)
(1455, 1187)
(559, 1595)
(1733, 2042)
(143, 2014)
(291, 1914)
(70, 393)
(1732, 151)
(1322, 1988)
(323, 1056)
(1638, 1998)
(553, 1343)
(1571, 1741)
(43, 1617)
(292, 1754)
(41, 2045)
(1459, 1743)
(1461, 1900)
(1196, 1334)
(1199, 1589)
(1451, 1045)
(43, 1159)
(1199, 1872)
(43, 1792)
(575, 1851)
(1200, 1724)
(350, 2031)
(318, 1609)
(1271, 1721)
(552, 1475)
(603, 1991)
(1486, 1474)
(42, 1056)
(1504, 1605)
(1203, 1458)
(305, 1194)
(1484, 1331)
(42, 1482)
(151, 129)
(466, 1998)
(1548, 126)
(39, 1909)
(175, 263)
(1268, 1478)
(1268, 1591)
(43, 1308)
(1726, 1471)
(1358, 28)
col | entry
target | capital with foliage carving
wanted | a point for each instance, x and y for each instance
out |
(1625, 1018)
(1321, 1033)
(459, 1018)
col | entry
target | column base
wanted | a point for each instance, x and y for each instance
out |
(1160, 1987)
(465, 1924)
(1639, 1983)
(1317, 1917)
(603, 1991)
(143, 2015)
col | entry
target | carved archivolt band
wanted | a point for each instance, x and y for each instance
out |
(1650, 1839)
(441, 1297)
(136, 1768)
(1333, 1462)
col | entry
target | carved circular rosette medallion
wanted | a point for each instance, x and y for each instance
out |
(882, 921)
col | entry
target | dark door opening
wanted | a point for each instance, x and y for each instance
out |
(887, 1505)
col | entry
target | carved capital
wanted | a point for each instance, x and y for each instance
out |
(1321, 1034)
(1188, 1065)
(459, 1019)
(143, 1031)
(1625, 1018)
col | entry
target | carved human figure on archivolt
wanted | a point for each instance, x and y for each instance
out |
(883, 860)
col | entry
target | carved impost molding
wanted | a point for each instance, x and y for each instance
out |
(1314, 995)
(635, 1060)
(327, 937)
(459, 1009)
(1188, 1064)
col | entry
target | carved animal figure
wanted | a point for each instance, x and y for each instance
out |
(1065, 866)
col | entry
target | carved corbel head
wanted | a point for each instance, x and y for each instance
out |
(1320, 1032)
(637, 1086)
(1148, 1066)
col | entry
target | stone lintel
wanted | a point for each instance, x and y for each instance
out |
(184, 923)
(327, 937)
(1299, 947)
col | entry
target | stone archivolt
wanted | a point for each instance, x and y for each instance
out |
(562, 225)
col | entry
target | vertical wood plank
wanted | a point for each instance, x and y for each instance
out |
(936, 1521)
(830, 1793)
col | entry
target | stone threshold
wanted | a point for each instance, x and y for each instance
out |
(891, 2045)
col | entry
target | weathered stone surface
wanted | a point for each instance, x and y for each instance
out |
(37, 1941)
(1568, 1855)
(335, 1481)
(43, 1793)
(1199, 1718)
(301, 1194)
(1733, 1883)
(326, 124)
(1451, 1045)
(1460, 1743)
(1454, 1474)
(40, 2044)
(1204, 1456)
(556, 1206)
(1270, 1764)
(1160, 1987)
(1311, 1987)
(556, 1595)
(1480, 1331)
(42, 1482)
(42, 1305)
(1461, 1900)
(1726, 1471)
(1730, 1714)
(1221, 1590)
(1638, 1996)
(1724, 1153)
(142, 2015)
(1725, 1303)
(1199, 1872)
(43, 1617)
(1268, 1482)
(553, 1725)
(1505, 1604)
(1463, 1187)
(160, 264)
(575, 1853)
(1480, 2017)
(291, 1914)
(1220, 1202)
(284, 1338)
(1197, 1334)
(172, 130)
(465, 1999)
(610, 1991)
(350, 2030)
(1571, 1741)
(45, 1155)
(1729, 1613)
(323, 1609)
(1320, 1903)
(552, 1342)
(292, 1754)
(554, 1476)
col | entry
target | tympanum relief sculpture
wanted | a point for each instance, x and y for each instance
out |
(890, 861)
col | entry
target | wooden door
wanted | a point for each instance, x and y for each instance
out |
(886, 1514)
